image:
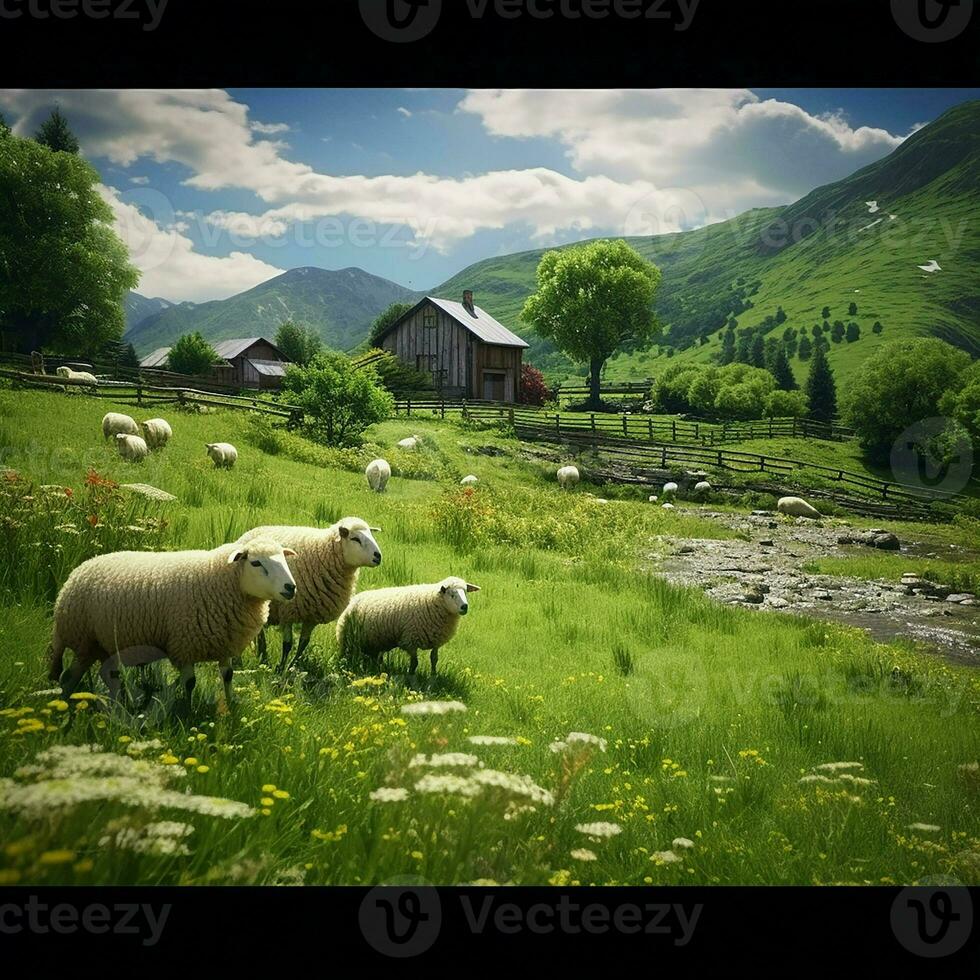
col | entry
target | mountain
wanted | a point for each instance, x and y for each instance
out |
(137, 308)
(339, 305)
(837, 245)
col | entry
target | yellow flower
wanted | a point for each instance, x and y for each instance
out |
(9, 876)
(266, 812)
(560, 878)
(269, 788)
(203, 769)
(267, 801)
(125, 739)
(82, 705)
(57, 857)
(190, 761)
(280, 794)
(168, 759)
(418, 855)
(58, 705)
(83, 866)
(83, 696)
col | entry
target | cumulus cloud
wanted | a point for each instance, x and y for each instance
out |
(269, 129)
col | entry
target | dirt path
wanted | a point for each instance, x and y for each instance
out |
(766, 573)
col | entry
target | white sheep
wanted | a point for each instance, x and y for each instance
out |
(81, 377)
(411, 443)
(797, 507)
(157, 433)
(568, 477)
(653, 498)
(223, 453)
(378, 474)
(670, 489)
(668, 507)
(412, 617)
(469, 481)
(326, 569)
(115, 422)
(702, 487)
(131, 608)
(132, 448)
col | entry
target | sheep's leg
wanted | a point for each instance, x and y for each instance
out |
(111, 673)
(287, 645)
(262, 647)
(305, 633)
(413, 665)
(227, 672)
(187, 683)
(72, 676)
(434, 659)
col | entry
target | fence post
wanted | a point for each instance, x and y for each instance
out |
(650, 429)
(593, 423)
(626, 430)
(770, 428)
(510, 416)
(408, 407)
(139, 394)
(557, 423)
(673, 430)
(466, 413)
(443, 407)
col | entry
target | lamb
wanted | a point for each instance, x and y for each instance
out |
(378, 474)
(411, 443)
(797, 507)
(411, 617)
(326, 572)
(131, 608)
(114, 422)
(224, 454)
(568, 477)
(81, 377)
(132, 448)
(469, 481)
(702, 487)
(670, 489)
(157, 433)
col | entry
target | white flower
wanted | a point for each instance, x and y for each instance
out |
(433, 707)
(389, 794)
(514, 783)
(599, 829)
(584, 854)
(455, 785)
(492, 740)
(925, 828)
(666, 857)
(823, 780)
(682, 844)
(575, 739)
(450, 759)
(855, 780)
(838, 766)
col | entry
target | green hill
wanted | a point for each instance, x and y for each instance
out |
(340, 305)
(829, 249)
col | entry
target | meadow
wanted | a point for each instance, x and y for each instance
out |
(589, 724)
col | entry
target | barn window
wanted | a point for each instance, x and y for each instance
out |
(429, 319)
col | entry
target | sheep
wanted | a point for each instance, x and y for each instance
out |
(702, 487)
(797, 507)
(114, 422)
(378, 474)
(670, 489)
(469, 481)
(411, 443)
(653, 498)
(326, 572)
(132, 608)
(82, 377)
(411, 617)
(132, 448)
(568, 477)
(223, 453)
(667, 507)
(156, 432)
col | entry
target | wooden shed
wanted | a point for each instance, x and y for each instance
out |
(468, 353)
(252, 362)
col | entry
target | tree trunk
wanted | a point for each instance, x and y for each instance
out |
(594, 380)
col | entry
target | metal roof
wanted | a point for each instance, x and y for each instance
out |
(271, 369)
(229, 349)
(483, 325)
(157, 359)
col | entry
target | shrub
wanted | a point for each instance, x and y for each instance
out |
(191, 354)
(534, 391)
(786, 404)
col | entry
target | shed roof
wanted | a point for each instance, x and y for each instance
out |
(157, 359)
(271, 369)
(479, 323)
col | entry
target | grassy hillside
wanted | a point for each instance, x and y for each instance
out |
(713, 721)
(816, 253)
(339, 305)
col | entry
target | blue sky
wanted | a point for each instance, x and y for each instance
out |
(217, 191)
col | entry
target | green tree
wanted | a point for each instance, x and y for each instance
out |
(4, 127)
(877, 328)
(728, 346)
(782, 371)
(961, 402)
(55, 133)
(63, 270)
(821, 389)
(340, 400)
(839, 331)
(825, 313)
(805, 348)
(300, 344)
(900, 384)
(191, 354)
(591, 300)
(816, 330)
(743, 349)
(785, 405)
(780, 316)
(758, 356)
(394, 312)
(852, 310)
(853, 332)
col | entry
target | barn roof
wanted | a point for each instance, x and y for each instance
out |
(271, 369)
(227, 350)
(157, 359)
(479, 323)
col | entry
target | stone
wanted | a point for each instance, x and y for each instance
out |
(778, 603)
(767, 544)
(959, 597)
(886, 541)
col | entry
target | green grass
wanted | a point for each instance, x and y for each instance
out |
(961, 576)
(710, 715)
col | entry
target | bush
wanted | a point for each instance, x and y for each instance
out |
(191, 354)
(786, 404)
(534, 391)
(340, 401)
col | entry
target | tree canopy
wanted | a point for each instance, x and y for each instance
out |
(55, 134)
(191, 354)
(384, 320)
(821, 389)
(299, 343)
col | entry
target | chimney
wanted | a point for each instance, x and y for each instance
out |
(468, 301)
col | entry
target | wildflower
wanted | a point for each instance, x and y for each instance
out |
(492, 740)
(514, 783)
(191, 761)
(57, 857)
(449, 759)
(58, 705)
(330, 836)
(433, 708)
(269, 788)
(599, 829)
(280, 794)
(925, 828)
(203, 769)
(665, 857)
(584, 854)
(578, 739)
(682, 843)
(455, 785)
(560, 878)
(838, 766)
(389, 794)
(267, 801)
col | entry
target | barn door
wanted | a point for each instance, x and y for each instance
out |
(493, 386)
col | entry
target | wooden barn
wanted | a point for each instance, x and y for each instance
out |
(467, 352)
(253, 363)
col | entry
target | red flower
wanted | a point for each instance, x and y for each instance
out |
(93, 519)
(69, 493)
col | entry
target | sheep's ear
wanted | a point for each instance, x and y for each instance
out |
(237, 556)
(344, 531)
(442, 590)
(472, 588)
(376, 530)
(289, 553)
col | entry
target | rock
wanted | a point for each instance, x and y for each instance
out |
(875, 538)
(686, 550)
(823, 595)
(959, 597)
(755, 597)
(702, 487)
(761, 513)
(970, 602)
(886, 541)
(767, 544)
(797, 507)
(145, 490)
(778, 603)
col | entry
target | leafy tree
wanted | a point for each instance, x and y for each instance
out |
(702, 392)
(782, 371)
(816, 330)
(63, 270)
(825, 314)
(961, 402)
(838, 332)
(728, 346)
(746, 400)
(821, 389)
(852, 310)
(129, 357)
(743, 350)
(805, 348)
(785, 405)
(758, 358)
(780, 316)
(340, 401)
(592, 299)
(55, 133)
(300, 344)
(534, 391)
(853, 332)
(191, 354)
(826, 326)
(394, 312)
(4, 127)
(877, 328)
(900, 384)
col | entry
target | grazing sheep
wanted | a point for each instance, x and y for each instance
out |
(326, 575)
(132, 608)
(653, 498)
(224, 454)
(412, 442)
(568, 477)
(82, 377)
(157, 433)
(114, 422)
(670, 489)
(797, 507)
(668, 507)
(702, 487)
(469, 481)
(378, 474)
(132, 448)
(413, 617)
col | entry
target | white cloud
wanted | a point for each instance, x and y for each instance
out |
(269, 129)
(407, 113)
(140, 181)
